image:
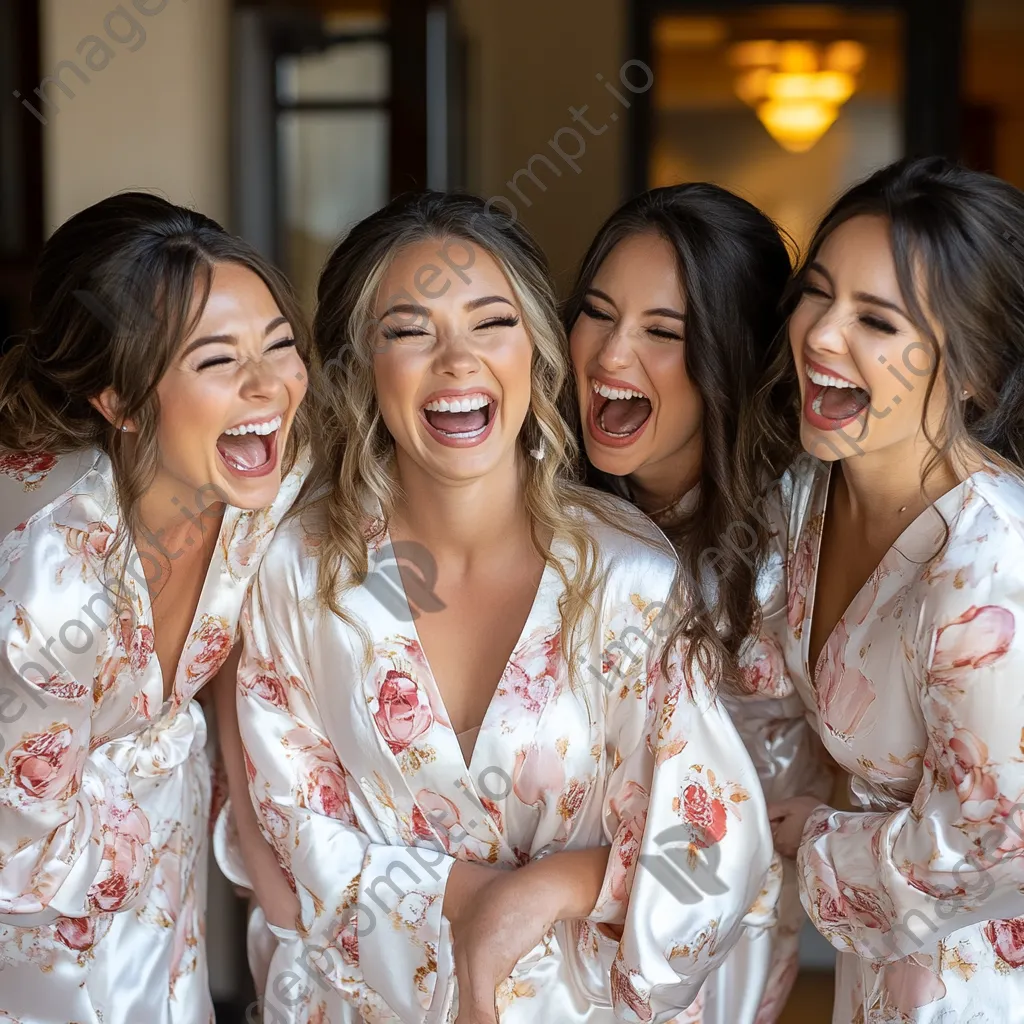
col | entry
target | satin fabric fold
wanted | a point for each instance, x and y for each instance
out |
(360, 783)
(105, 787)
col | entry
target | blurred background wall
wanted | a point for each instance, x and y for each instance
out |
(288, 121)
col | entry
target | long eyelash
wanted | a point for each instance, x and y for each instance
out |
(660, 332)
(877, 324)
(391, 333)
(594, 313)
(221, 361)
(501, 321)
(283, 343)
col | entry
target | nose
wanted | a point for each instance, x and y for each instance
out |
(260, 380)
(455, 356)
(825, 334)
(616, 351)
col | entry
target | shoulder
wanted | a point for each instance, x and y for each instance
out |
(34, 485)
(974, 591)
(632, 553)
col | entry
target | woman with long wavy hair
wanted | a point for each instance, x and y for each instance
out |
(902, 525)
(497, 790)
(671, 323)
(152, 436)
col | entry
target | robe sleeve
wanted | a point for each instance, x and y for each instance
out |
(73, 841)
(770, 714)
(883, 885)
(370, 916)
(692, 862)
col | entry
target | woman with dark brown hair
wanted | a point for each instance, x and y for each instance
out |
(902, 526)
(152, 437)
(671, 322)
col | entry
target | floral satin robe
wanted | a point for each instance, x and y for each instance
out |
(104, 786)
(919, 693)
(754, 982)
(361, 785)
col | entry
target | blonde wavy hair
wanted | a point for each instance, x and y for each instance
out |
(355, 452)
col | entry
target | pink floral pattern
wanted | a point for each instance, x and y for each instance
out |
(104, 785)
(28, 469)
(566, 763)
(915, 695)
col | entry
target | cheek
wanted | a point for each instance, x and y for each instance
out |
(397, 376)
(193, 408)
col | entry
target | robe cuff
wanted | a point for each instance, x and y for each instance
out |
(404, 941)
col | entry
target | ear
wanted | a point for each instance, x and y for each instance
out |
(106, 403)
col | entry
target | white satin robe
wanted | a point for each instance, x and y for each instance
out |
(360, 783)
(104, 786)
(754, 982)
(919, 693)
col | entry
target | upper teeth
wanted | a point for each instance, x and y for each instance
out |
(256, 428)
(618, 393)
(825, 380)
(465, 404)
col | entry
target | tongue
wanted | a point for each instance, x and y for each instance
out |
(842, 403)
(457, 422)
(624, 415)
(245, 450)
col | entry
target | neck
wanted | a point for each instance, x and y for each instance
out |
(889, 486)
(459, 519)
(174, 519)
(657, 486)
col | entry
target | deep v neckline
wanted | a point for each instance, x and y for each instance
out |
(176, 697)
(524, 634)
(936, 506)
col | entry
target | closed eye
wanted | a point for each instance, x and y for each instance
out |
(665, 333)
(813, 289)
(498, 321)
(594, 313)
(877, 323)
(391, 333)
(216, 361)
(282, 343)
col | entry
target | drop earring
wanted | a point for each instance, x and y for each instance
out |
(540, 451)
(965, 393)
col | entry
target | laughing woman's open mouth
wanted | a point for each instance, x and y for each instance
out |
(830, 401)
(617, 415)
(250, 449)
(460, 419)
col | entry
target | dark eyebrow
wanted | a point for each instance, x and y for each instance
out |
(486, 301)
(406, 307)
(210, 339)
(662, 311)
(873, 300)
(230, 339)
(601, 295)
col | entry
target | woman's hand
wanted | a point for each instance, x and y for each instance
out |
(509, 913)
(788, 819)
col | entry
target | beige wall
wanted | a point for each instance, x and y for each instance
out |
(528, 63)
(153, 117)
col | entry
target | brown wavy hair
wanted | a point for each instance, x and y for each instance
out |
(733, 264)
(355, 451)
(111, 303)
(958, 246)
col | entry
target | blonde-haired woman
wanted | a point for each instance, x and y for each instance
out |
(465, 738)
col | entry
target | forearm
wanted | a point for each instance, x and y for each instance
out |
(573, 879)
